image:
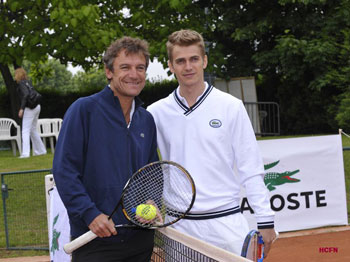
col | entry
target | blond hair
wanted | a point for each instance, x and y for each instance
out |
(185, 37)
(20, 74)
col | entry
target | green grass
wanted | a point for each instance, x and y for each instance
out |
(346, 155)
(9, 163)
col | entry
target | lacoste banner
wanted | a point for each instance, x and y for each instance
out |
(59, 229)
(305, 178)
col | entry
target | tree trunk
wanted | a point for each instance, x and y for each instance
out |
(11, 86)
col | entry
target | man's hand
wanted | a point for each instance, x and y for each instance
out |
(159, 217)
(102, 226)
(268, 235)
(20, 113)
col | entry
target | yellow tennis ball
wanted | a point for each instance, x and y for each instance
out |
(146, 211)
(139, 209)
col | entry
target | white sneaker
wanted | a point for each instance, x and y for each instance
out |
(41, 154)
(23, 156)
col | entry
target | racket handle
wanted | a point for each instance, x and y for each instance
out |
(79, 241)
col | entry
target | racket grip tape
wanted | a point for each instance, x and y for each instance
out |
(79, 241)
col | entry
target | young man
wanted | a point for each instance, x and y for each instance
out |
(104, 139)
(210, 134)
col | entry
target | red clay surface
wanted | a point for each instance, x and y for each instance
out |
(321, 245)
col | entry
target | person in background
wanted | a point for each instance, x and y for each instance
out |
(104, 139)
(210, 134)
(29, 113)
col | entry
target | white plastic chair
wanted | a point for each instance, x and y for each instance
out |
(45, 129)
(5, 134)
(56, 126)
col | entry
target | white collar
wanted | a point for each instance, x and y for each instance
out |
(132, 107)
(132, 111)
(183, 100)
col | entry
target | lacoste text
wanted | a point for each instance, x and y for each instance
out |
(293, 201)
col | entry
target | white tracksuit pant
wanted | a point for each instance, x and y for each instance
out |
(29, 131)
(226, 232)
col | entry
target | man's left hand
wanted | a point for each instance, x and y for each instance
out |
(268, 235)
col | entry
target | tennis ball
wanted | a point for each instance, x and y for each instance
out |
(146, 211)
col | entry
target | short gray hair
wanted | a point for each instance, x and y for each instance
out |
(130, 45)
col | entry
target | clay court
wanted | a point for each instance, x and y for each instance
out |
(321, 245)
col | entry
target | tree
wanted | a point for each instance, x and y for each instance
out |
(51, 75)
(76, 31)
(68, 30)
(93, 79)
(298, 50)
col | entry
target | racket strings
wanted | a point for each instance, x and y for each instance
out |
(164, 185)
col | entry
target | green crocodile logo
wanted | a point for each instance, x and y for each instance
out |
(273, 179)
(55, 237)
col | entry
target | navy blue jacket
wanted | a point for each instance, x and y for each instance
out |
(96, 154)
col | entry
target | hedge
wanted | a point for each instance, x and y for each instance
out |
(54, 103)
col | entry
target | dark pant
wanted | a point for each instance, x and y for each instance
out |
(137, 249)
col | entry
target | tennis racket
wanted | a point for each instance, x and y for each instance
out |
(164, 184)
(253, 246)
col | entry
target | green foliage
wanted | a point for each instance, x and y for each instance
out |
(2, 84)
(92, 80)
(68, 30)
(51, 75)
(77, 32)
(158, 90)
(56, 101)
(343, 116)
(298, 51)
(294, 48)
